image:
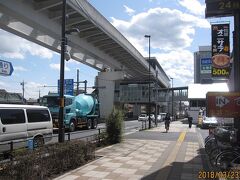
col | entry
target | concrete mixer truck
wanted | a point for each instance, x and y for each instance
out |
(79, 111)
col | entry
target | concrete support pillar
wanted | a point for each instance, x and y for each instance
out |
(106, 94)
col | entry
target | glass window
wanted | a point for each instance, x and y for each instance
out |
(12, 116)
(37, 115)
(68, 101)
(53, 101)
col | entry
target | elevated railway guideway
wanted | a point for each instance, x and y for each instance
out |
(98, 44)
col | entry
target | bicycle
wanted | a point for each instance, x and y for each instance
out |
(210, 144)
(224, 159)
(225, 149)
(230, 151)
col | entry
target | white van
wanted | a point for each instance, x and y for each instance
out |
(23, 122)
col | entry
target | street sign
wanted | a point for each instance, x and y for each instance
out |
(6, 68)
(221, 8)
(223, 104)
(68, 86)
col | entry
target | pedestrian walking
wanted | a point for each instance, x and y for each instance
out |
(167, 121)
(190, 119)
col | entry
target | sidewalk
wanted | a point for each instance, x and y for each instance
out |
(148, 155)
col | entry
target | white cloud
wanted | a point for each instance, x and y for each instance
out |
(172, 32)
(32, 89)
(128, 10)
(19, 68)
(17, 48)
(57, 67)
(177, 64)
(194, 6)
(169, 29)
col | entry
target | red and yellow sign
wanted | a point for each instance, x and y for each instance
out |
(223, 104)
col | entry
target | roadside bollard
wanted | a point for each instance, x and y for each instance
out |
(11, 146)
(30, 144)
(99, 132)
(69, 137)
(145, 124)
(142, 125)
(11, 150)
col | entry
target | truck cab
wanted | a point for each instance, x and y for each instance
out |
(52, 102)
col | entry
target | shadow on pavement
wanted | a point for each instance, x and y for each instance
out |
(191, 169)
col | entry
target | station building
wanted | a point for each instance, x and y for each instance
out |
(132, 94)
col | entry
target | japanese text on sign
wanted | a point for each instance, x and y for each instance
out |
(206, 65)
(6, 68)
(220, 39)
(220, 51)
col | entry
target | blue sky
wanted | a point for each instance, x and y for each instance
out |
(177, 28)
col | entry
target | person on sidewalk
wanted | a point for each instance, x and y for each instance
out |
(190, 119)
(167, 121)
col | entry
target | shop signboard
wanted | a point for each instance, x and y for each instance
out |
(223, 104)
(221, 8)
(206, 65)
(220, 50)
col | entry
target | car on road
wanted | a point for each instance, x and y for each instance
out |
(209, 121)
(161, 116)
(143, 117)
(152, 117)
(24, 122)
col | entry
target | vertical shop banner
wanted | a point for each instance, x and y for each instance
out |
(220, 51)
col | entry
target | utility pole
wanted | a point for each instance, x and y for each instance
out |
(85, 86)
(172, 96)
(236, 61)
(61, 135)
(77, 81)
(23, 89)
(149, 78)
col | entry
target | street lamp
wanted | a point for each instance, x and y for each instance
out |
(172, 95)
(64, 54)
(149, 92)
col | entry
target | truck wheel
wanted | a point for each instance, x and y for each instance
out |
(38, 141)
(94, 123)
(89, 124)
(72, 126)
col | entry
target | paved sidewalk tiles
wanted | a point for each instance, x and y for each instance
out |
(144, 159)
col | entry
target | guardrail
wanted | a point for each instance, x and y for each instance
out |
(96, 138)
(145, 124)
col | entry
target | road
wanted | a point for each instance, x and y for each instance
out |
(129, 127)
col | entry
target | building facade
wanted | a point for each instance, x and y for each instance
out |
(203, 65)
(132, 95)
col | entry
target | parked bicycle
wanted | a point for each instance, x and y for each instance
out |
(221, 147)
